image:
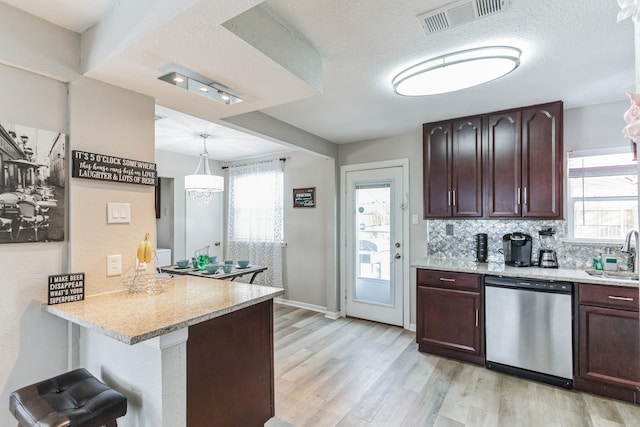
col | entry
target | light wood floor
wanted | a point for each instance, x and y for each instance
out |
(350, 372)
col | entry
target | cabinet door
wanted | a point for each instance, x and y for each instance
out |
(504, 165)
(610, 346)
(542, 161)
(448, 319)
(466, 198)
(437, 169)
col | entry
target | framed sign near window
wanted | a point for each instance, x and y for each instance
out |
(304, 197)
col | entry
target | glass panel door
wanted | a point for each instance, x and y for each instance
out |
(374, 246)
(373, 236)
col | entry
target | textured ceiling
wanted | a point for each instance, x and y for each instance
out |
(326, 66)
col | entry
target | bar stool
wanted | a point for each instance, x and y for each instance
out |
(72, 399)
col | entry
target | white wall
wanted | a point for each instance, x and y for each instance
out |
(33, 342)
(308, 266)
(29, 43)
(108, 120)
(595, 126)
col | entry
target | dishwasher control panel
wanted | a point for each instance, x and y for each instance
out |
(538, 285)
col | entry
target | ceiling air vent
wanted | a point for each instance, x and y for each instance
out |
(458, 13)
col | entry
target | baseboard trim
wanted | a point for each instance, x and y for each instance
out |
(299, 304)
(412, 327)
(333, 315)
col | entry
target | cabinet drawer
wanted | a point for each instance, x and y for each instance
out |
(609, 296)
(447, 279)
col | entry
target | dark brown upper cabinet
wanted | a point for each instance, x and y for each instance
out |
(504, 154)
(542, 161)
(520, 152)
(453, 168)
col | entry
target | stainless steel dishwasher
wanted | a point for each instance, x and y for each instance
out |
(529, 328)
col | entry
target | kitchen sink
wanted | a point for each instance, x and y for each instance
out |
(618, 275)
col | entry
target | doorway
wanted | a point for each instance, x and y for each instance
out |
(375, 232)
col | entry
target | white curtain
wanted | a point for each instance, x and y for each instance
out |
(255, 218)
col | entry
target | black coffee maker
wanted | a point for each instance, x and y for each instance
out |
(517, 249)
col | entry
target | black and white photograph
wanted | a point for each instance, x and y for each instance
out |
(32, 184)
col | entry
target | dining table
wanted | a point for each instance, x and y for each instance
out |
(236, 272)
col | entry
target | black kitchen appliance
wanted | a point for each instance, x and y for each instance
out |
(481, 247)
(547, 257)
(517, 249)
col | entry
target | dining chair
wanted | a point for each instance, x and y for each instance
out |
(9, 201)
(6, 224)
(30, 218)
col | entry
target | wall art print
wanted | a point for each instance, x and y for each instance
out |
(32, 184)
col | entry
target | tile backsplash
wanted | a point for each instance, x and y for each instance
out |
(462, 245)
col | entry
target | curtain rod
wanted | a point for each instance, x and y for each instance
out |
(282, 159)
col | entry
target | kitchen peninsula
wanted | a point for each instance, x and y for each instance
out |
(203, 347)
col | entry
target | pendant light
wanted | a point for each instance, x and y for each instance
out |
(201, 186)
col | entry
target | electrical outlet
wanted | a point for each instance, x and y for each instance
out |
(414, 219)
(449, 229)
(114, 265)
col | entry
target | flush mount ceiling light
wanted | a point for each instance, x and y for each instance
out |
(211, 90)
(455, 71)
(201, 186)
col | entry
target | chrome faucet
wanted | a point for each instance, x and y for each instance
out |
(631, 250)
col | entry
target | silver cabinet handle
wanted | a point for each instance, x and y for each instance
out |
(449, 198)
(518, 196)
(476, 317)
(444, 279)
(453, 199)
(525, 196)
(620, 298)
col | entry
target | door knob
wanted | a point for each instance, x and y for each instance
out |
(397, 244)
(397, 256)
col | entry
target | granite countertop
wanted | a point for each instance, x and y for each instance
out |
(186, 300)
(500, 269)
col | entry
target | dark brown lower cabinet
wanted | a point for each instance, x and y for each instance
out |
(230, 372)
(609, 342)
(449, 315)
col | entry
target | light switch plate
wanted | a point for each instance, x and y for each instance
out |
(114, 265)
(414, 219)
(118, 213)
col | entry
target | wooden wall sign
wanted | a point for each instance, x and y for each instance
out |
(113, 169)
(66, 288)
(304, 197)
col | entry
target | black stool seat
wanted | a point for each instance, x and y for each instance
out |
(72, 399)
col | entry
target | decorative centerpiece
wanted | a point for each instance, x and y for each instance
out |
(144, 283)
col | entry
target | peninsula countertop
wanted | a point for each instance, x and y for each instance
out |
(500, 269)
(186, 300)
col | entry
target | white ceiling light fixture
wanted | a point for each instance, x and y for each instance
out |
(210, 90)
(456, 71)
(201, 186)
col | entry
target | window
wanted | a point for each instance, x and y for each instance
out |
(602, 194)
(255, 203)
(255, 221)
